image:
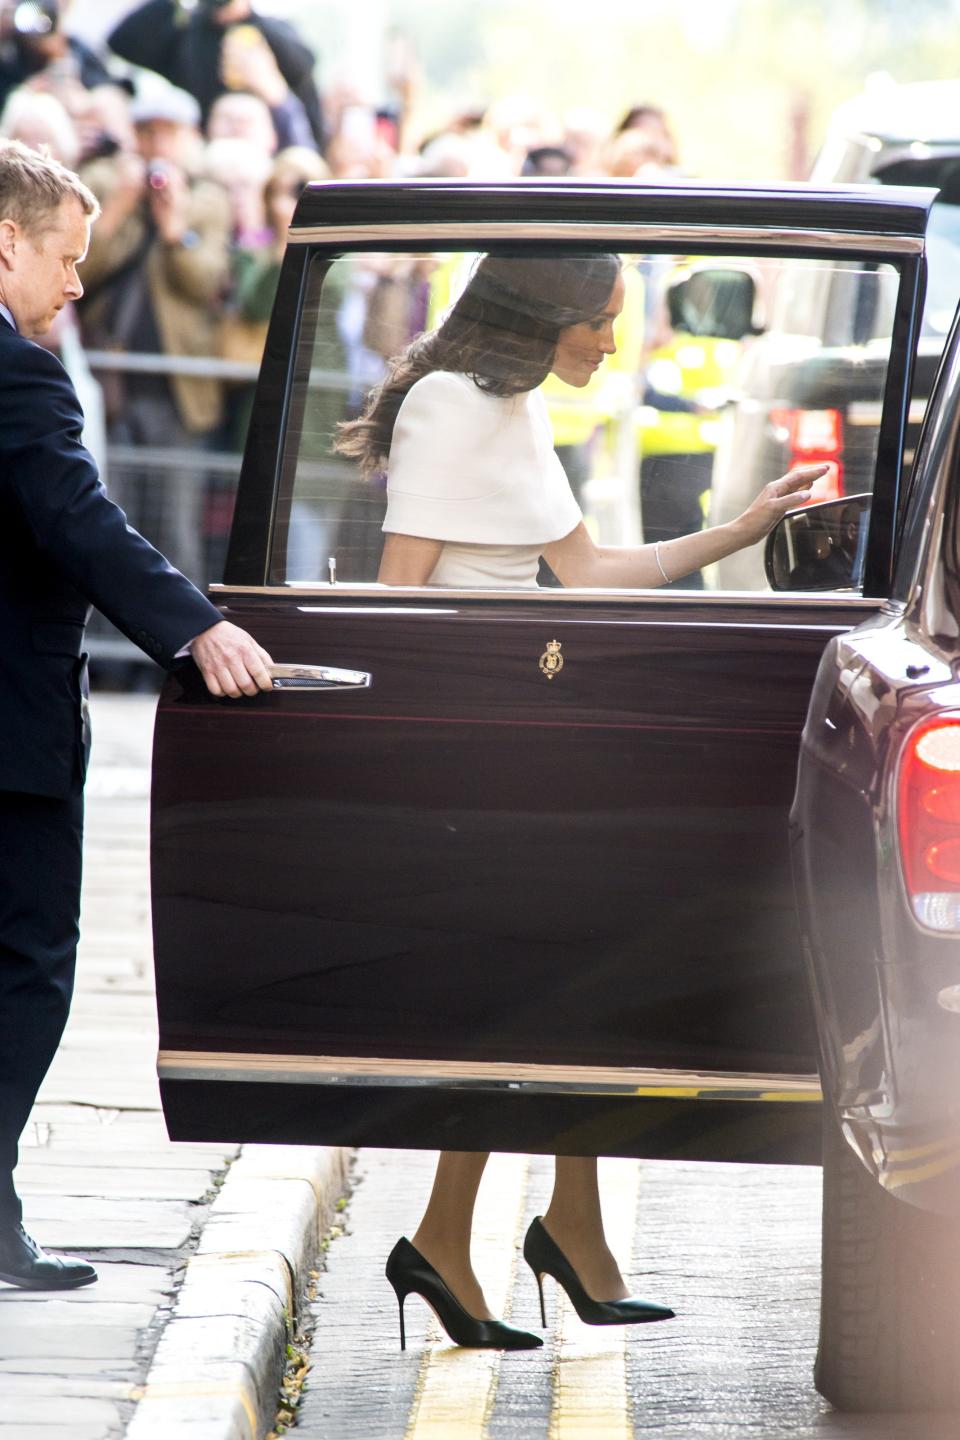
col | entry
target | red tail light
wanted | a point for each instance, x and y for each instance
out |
(929, 822)
(814, 437)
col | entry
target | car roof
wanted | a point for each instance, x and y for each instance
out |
(925, 111)
(417, 205)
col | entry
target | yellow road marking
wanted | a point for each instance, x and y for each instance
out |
(456, 1387)
(590, 1399)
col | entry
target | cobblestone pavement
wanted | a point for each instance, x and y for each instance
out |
(734, 1249)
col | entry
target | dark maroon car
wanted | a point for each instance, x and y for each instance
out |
(511, 868)
(876, 839)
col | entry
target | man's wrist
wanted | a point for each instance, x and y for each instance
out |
(187, 650)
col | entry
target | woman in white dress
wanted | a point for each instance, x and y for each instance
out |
(475, 497)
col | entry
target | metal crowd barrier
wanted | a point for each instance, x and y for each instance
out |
(180, 497)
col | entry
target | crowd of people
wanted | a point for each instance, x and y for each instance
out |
(196, 128)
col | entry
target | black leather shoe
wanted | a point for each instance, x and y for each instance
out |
(545, 1257)
(23, 1263)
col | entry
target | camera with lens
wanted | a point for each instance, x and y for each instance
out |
(158, 175)
(36, 17)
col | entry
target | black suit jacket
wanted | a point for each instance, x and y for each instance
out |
(63, 546)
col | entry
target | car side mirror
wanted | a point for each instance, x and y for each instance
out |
(718, 303)
(821, 547)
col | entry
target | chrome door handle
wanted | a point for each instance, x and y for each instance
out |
(318, 677)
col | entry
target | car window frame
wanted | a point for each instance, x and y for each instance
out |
(932, 507)
(267, 472)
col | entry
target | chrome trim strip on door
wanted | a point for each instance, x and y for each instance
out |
(219, 1066)
(680, 237)
(300, 591)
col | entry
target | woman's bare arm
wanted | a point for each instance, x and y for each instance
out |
(408, 560)
(577, 560)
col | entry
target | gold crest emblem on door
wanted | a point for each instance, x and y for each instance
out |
(551, 661)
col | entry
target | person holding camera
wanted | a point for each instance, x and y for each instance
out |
(158, 267)
(33, 45)
(188, 45)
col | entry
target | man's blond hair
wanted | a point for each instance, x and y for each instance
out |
(33, 186)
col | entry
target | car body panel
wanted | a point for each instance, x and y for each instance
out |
(882, 983)
(465, 819)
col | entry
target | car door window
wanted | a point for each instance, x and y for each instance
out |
(727, 370)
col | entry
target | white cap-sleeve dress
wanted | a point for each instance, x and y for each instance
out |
(478, 472)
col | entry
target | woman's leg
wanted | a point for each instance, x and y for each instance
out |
(443, 1235)
(575, 1222)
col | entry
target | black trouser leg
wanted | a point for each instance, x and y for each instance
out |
(40, 866)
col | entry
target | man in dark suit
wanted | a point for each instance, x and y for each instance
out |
(63, 546)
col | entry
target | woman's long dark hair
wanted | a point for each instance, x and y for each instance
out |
(502, 333)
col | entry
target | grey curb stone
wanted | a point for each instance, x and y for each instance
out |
(220, 1360)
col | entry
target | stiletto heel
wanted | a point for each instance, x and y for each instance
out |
(545, 1257)
(410, 1274)
(543, 1308)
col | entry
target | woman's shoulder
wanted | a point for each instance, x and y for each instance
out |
(446, 405)
(448, 384)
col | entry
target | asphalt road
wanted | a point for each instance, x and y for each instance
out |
(733, 1249)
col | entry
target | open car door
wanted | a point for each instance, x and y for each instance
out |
(497, 868)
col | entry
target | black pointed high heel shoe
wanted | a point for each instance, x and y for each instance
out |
(545, 1257)
(410, 1274)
